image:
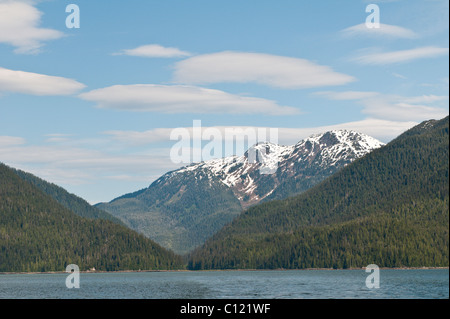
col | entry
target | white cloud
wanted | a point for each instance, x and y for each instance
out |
(394, 107)
(385, 30)
(19, 25)
(347, 95)
(140, 138)
(36, 84)
(11, 140)
(426, 99)
(406, 108)
(86, 172)
(80, 165)
(382, 129)
(135, 138)
(58, 137)
(86, 166)
(241, 67)
(181, 99)
(381, 58)
(155, 51)
(400, 76)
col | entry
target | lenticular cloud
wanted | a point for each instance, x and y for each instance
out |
(275, 71)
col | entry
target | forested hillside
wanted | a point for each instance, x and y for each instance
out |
(184, 207)
(76, 204)
(39, 234)
(180, 213)
(390, 208)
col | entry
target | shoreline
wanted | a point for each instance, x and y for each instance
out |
(212, 270)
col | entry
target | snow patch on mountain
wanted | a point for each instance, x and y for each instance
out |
(243, 173)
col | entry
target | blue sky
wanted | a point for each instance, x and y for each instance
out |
(92, 108)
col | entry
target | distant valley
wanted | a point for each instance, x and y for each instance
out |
(337, 200)
(183, 208)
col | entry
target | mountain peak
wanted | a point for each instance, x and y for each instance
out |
(336, 145)
(209, 194)
(249, 174)
(330, 148)
(343, 136)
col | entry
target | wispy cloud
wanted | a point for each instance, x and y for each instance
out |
(385, 30)
(396, 110)
(75, 162)
(381, 58)
(154, 51)
(382, 129)
(136, 138)
(347, 95)
(85, 166)
(271, 70)
(181, 99)
(11, 140)
(19, 25)
(37, 84)
(58, 137)
(400, 76)
(70, 165)
(426, 98)
(395, 107)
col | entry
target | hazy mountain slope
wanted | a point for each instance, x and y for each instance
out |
(39, 234)
(389, 208)
(184, 207)
(179, 212)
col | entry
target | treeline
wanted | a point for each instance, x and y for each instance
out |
(389, 208)
(410, 237)
(39, 234)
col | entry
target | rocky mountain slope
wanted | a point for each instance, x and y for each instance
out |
(184, 207)
(389, 208)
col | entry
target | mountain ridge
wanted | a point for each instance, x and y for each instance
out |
(390, 208)
(71, 201)
(39, 234)
(174, 209)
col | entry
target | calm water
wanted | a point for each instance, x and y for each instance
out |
(291, 284)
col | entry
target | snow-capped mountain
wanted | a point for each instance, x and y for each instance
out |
(328, 152)
(184, 207)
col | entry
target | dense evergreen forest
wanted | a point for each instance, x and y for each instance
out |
(38, 234)
(70, 201)
(389, 208)
(183, 208)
